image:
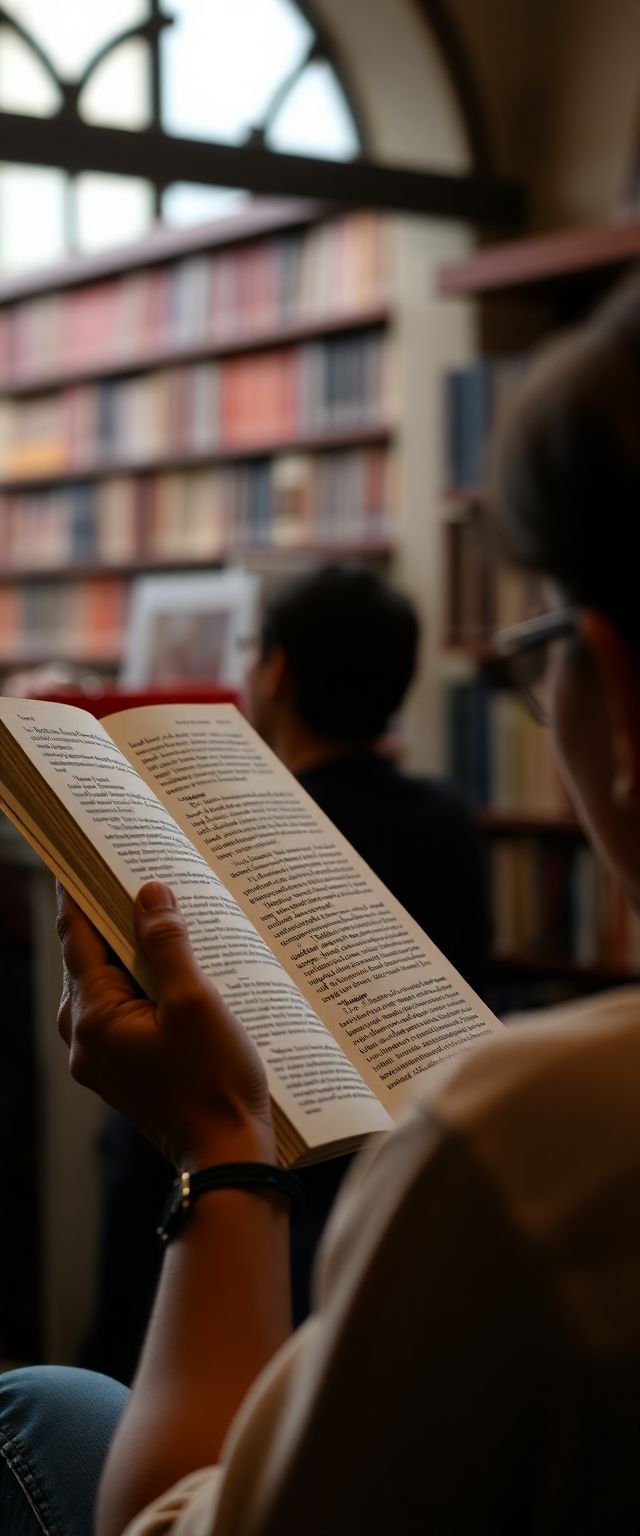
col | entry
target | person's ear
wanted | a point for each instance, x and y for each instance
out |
(275, 673)
(619, 666)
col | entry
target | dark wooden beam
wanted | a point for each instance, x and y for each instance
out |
(74, 146)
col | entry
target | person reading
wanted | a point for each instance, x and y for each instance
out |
(336, 656)
(473, 1359)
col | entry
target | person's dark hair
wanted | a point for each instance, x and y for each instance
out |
(350, 641)
(567, 466)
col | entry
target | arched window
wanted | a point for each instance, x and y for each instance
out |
(256, 71)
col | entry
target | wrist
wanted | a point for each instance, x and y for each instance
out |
(253, 1178)
(248, 1141)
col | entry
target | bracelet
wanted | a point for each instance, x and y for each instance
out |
(188, 1186)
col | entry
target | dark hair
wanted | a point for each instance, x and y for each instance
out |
(350, 640)
(567, 474)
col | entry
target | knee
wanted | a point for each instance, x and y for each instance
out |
(56, 1424)
(51, 1401)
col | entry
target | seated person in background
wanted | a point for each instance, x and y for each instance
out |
(337, 654)
(472, 1364)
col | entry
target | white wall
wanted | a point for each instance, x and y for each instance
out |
(560, 82)
(593, 52)
(400, 80)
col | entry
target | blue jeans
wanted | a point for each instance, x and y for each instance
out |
(56, 1424)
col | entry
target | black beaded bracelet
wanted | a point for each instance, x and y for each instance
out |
(224, 1176)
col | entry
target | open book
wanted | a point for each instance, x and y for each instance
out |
(348, 1001)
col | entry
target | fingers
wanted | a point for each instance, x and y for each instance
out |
(162, 935)
(64, 1009)
(83, 953)
(82, 947)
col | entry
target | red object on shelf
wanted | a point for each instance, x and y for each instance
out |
(114, 699)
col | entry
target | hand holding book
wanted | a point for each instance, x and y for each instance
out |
(182, 1069)
(347, 1001)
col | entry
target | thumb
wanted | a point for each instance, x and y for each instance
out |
(161, 932)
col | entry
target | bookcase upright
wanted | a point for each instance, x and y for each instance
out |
(560, 925)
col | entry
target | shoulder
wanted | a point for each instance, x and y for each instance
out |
(424, 796)
(556, 1051)
(469, 1250)
(188, 1508)
(520, 1162)
(552, 1098)
(547, 1112)
(439, 796)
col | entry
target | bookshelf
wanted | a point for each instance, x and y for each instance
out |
(173, 354)
(554, 262)
(223, 393)
(273, 442)
(560, 926)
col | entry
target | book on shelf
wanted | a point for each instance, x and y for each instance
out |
(475, 399)
(468, 415)
(349, 1003)
(198, 513)
(553, 900)
(229, 388)
(270, 396)
(292, 519)
(120, 516)
(469, 604)
(497, 753)
(62, 621)
(484, 593)
(336, 267)
(10, 621)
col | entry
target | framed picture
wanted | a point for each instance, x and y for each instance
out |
(191, 628)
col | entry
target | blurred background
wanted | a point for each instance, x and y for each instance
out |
(269, 273)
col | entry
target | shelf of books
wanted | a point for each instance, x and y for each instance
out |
(559, 925)
(555, 912)
(204, 396)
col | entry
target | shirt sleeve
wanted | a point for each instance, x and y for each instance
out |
(187, 1509)
(410, 1370)
(432, 1388)
(410, 1366)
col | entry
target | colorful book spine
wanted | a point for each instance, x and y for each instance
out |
(483, 593)
(240, 402)
(498, 755)
(343, 496)
(552, 901)
(140, 426)
(475, 399)
(341, 265)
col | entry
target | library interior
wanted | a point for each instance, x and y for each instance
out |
(300, 310)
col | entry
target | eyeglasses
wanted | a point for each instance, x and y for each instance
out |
(525, 647)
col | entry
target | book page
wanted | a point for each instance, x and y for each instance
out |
(392, 1000)
(309, 1076)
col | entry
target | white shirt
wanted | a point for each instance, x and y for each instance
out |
(473, 1362)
